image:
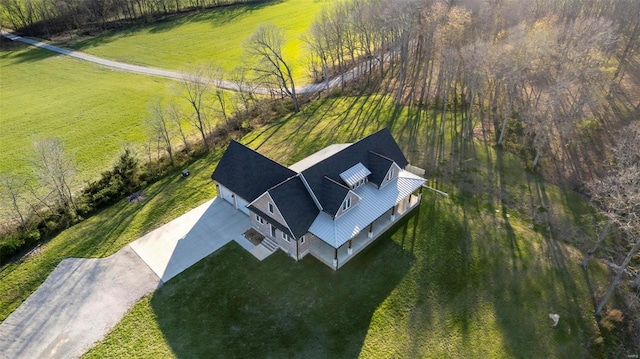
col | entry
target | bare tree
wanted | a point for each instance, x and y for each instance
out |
(196, 87)
(175, 117)
(55, 170)
(618, 196)
(159, 125)
(265, 46)
(11, 193)
(244, 95)
(219, 94)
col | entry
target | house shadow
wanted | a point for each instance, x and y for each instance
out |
(233, 305)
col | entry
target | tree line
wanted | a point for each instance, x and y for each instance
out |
(48, 17)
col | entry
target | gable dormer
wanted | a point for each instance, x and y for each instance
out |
(349, 201)
(392, 173)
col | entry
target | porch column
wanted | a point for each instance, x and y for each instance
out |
(350, 250)
(335, 257)
(370, 234)
(393, 213)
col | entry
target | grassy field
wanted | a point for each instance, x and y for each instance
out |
(94, 110)
(214, 36)
(476, 274)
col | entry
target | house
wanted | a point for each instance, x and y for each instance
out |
(331, 204)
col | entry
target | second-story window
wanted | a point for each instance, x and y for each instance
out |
(270, 207)
(346, 204)
(390, 174)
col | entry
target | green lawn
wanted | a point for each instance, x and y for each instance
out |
(213, 36)
(94, 110)
(474, 275)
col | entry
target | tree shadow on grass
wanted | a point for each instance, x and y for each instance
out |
(232, 305)
(216, 16)
(18, 53)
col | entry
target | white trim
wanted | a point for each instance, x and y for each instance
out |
(270, 207)
(259, 219)
(302, 240)
(286, 237)
(273, 231)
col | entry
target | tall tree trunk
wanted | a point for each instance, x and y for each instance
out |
(613, 285)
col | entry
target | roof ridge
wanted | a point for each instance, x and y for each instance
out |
(382, 156)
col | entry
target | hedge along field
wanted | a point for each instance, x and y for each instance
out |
(213, 36)
(94, 110)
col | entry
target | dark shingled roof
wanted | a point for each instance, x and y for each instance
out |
(381, 142)
(379, 166)
(248, 173)
(332, 195)
(295, 204)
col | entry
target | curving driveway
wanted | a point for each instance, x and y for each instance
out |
(334, 82)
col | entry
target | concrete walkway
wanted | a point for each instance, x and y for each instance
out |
(83, 299)
(80, 301)
(181, 243)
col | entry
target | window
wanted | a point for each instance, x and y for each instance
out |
(273, 231)
(259, 219)
(301, 239)
(270, 207)
(390, 174)
(285, 236)
(346, 204)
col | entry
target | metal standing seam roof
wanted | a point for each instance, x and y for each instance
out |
(355, 174)
(381, 143)
(318, 156)
(374, 203)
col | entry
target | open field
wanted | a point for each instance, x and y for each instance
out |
(94, 110)
(473, 275)
(213, 36)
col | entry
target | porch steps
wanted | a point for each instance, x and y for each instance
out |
(269, 244)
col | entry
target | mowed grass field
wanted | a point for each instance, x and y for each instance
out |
(209, 37)
(473, 275)
(96, 111)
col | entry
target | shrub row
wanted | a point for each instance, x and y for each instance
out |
(128, 176)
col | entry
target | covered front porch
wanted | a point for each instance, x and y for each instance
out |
(337, 257)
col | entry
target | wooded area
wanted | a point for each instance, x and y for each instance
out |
(47, 18)
(557, 82)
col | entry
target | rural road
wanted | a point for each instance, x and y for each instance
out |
(227, 85)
